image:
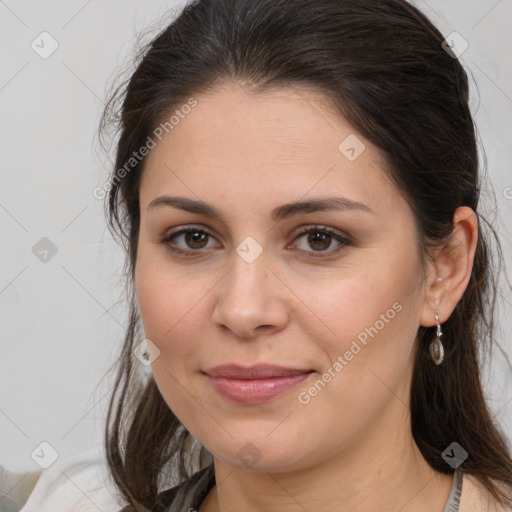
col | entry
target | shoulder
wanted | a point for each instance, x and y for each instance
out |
(166, 497)
(189, 494)
(15, 487)
(476, 498)
(79, 483)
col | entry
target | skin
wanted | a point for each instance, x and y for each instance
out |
(246, 154)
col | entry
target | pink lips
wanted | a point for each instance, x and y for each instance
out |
(254, 384)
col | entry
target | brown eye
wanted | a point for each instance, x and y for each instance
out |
(187, 241)
(196, 239)
(320, 239)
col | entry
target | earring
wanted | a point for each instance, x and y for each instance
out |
(436, 347)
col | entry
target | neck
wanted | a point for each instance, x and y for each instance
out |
(381, 470)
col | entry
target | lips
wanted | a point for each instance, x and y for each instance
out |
(255, 384)
(261, 371)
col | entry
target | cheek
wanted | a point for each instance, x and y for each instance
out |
(172, 305)
(167, 306)
(162, 303)
(370, 316)
(156, 296)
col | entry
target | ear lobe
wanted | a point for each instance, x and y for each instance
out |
(452, 268)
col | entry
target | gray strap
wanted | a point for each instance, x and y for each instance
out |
(452, 505)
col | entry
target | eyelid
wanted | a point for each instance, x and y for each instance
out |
(305, 228)
(189, 227)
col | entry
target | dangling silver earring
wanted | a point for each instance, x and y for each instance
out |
(436, 347)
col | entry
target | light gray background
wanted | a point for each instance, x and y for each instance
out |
(62, 321)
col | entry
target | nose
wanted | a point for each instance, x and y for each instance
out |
(251, 299)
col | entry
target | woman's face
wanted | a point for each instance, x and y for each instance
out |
(337, 309)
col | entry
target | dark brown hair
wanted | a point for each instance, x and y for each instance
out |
(382, 64)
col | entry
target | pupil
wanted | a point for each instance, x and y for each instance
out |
(196, 237)
(318, 237)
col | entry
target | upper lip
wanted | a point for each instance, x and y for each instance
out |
(259, 371)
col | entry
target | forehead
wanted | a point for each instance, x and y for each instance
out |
(287, 142)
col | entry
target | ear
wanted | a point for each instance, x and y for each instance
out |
(449, 274)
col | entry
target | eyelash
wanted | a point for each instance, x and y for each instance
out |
(312, 229)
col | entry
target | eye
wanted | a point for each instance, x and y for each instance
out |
(320, 238)
(193, 238)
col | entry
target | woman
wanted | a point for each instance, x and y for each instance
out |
(296, 184)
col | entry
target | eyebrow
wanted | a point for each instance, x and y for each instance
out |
(281, 212)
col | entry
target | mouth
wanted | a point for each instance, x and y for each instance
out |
(255, 384)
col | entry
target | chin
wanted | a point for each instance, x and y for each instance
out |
(262, 452)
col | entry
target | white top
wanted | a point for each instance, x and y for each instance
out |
(79, 484)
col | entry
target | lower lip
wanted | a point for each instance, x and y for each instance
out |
(256, 391)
